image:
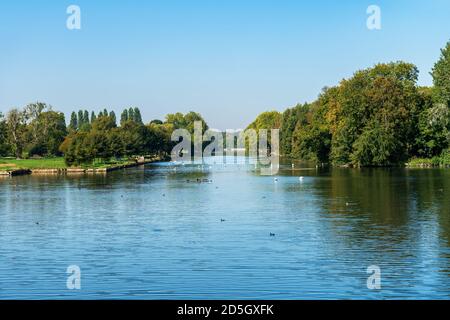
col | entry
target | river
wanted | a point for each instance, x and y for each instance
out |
(148, 233)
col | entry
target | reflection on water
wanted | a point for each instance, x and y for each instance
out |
(149, 233)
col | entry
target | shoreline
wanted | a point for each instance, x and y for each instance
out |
(70, 171)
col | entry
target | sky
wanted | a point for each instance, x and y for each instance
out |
(228, 60)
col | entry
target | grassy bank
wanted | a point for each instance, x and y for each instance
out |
(9, 164)
(440, 161)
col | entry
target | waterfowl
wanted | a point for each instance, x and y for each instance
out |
(272, 234)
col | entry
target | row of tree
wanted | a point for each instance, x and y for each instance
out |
(378, 117)
(37, 130)
(104, 140)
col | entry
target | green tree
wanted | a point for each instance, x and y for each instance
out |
(16, 126)
(112, 115)
(4, 147)
(137, 116)
(93, 117)
(124, 117)
(80, 119)
(441, 77)
(86, 117)
(51, 133)
(382, 101)
(115, 142)
(131, 114)
(73, 122)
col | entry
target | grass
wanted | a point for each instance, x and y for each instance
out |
(8, 164)
(439, 161)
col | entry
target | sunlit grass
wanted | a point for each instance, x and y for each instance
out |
(8, 164)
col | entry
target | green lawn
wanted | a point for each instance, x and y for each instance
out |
(7, 164)
(46, 163)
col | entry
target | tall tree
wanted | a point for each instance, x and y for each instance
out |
(15, 120)
(124, 117)
(113, 117)
(80, 119)
(51, 133)
(131, 114)
(4, 148)
(441, 77)
(73, 122)
(93, 116)
(86, 117)
(137, 116)
(32, 112)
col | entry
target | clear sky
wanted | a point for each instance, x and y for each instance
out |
(228, 59)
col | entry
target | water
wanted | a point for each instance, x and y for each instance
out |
(147, 233)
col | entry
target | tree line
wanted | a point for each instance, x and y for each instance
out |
(37, 130)
(378, 117)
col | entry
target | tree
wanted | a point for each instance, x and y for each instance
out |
(93, 117)
(137, 116)
(288, 123)
(103, 123)
(86, 117)
(383, 101)
(311, 139)
(75, 150)
(112, 115)
(32, 112)
(267, 120)
(83, 121)
(51, 133)
(131, 114)
(433, 135)
(115, 142)
(15, 124)
(180, 121)
(96, 145)
(73, 122)
(441, 77)
(80, 119)
(4, 147)
(124, 117)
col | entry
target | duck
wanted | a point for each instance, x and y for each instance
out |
(272, 234)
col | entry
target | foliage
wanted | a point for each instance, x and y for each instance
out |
(378, 117)
(441, 77)
(4, 147)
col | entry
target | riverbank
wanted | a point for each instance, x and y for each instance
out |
(16, 167)
(442, 161)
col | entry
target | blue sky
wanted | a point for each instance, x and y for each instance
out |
(228, 60)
